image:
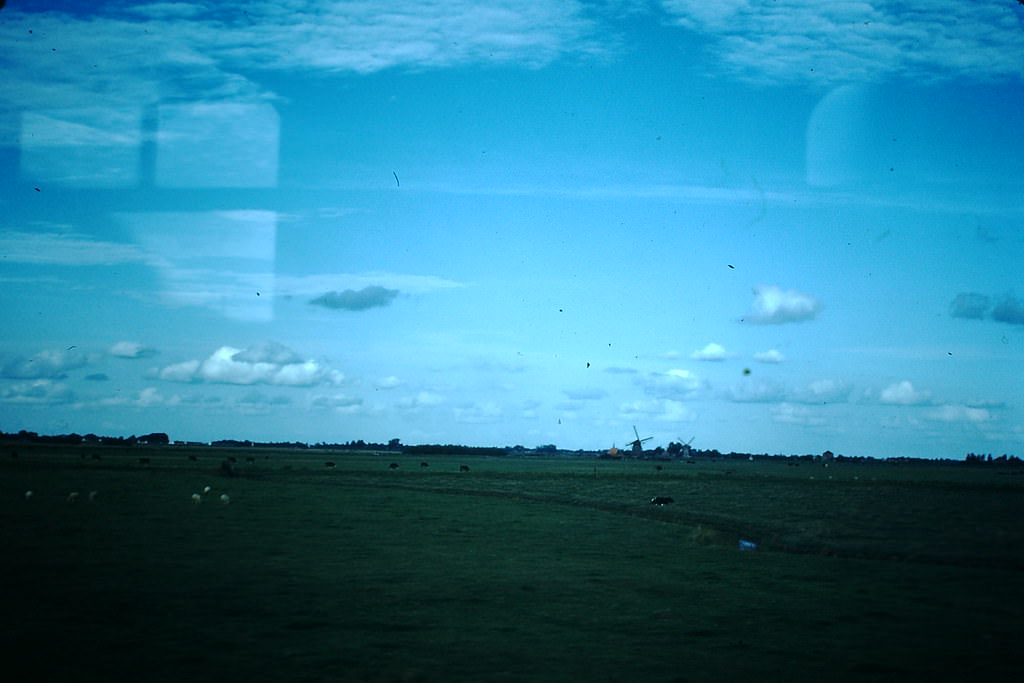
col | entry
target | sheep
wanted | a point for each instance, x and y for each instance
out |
(196, 499)
(225, 498)
(662, 500)
(73, 497)
(92, 496)
(28, 494)
(330, 465)
(463, 468)
(206, 490)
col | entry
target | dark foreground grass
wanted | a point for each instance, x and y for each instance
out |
(515, 571)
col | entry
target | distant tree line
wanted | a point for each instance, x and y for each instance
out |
(987, 459)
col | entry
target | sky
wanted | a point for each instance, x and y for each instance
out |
(769, 227)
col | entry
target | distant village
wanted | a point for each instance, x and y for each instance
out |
(674, 450)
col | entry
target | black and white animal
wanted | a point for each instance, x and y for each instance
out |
(662, 500)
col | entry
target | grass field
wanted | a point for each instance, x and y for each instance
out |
(518, 570)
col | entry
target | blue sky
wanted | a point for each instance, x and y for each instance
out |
(777, 227)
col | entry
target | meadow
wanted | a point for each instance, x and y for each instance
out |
(520, 569)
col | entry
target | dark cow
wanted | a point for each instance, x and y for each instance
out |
(330, 465)
(463, 468)
(662, 500)
(424, 464)
(143, 461)
(393, 465)
(193, 458)
(250, 460)
(658, 467)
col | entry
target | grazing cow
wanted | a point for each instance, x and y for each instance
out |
(393, 465)
(658, 467)
(662, 500)
(330, 465)
(232, 458)
(251, 460)
(463, 468)
(193, 458)
(227, 468)
(424, 464)
(143, 461)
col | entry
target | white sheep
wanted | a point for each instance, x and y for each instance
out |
(28, 494)
(196, 498)
(206, 490)
(225, 498)
(73, 497)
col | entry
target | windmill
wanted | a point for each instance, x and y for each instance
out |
(684, 448)
(638, 444)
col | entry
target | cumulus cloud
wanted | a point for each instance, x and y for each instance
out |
(424, 399)
(49, 364)
(389, 382)
(585, 394)
(261, 364)
(712, 352)
(756, 391)
(661, 409)
(904, 394)
(338, 402)
(129, 349)
(822, 391)
(770, 356)
(774, 306)
(39, 392)
(674, 384)
(357, 300)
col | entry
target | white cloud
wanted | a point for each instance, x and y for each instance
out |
(662, 410)
(49, 364)
(788, 413)
(262, 364)
(41, 392)
(585, 394)
(338, 402)
(712, 352)
(66, 249)
(180, 372)
(770, 356)
(822, 391)
(129, 349)
(904, 394)
(389, 382)
(774, 305)
(424, 399)
(959, 413)
(757, 390)
(805, 40)
(475, 413)
(674, 384)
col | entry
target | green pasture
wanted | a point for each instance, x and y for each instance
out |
(521, 569)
